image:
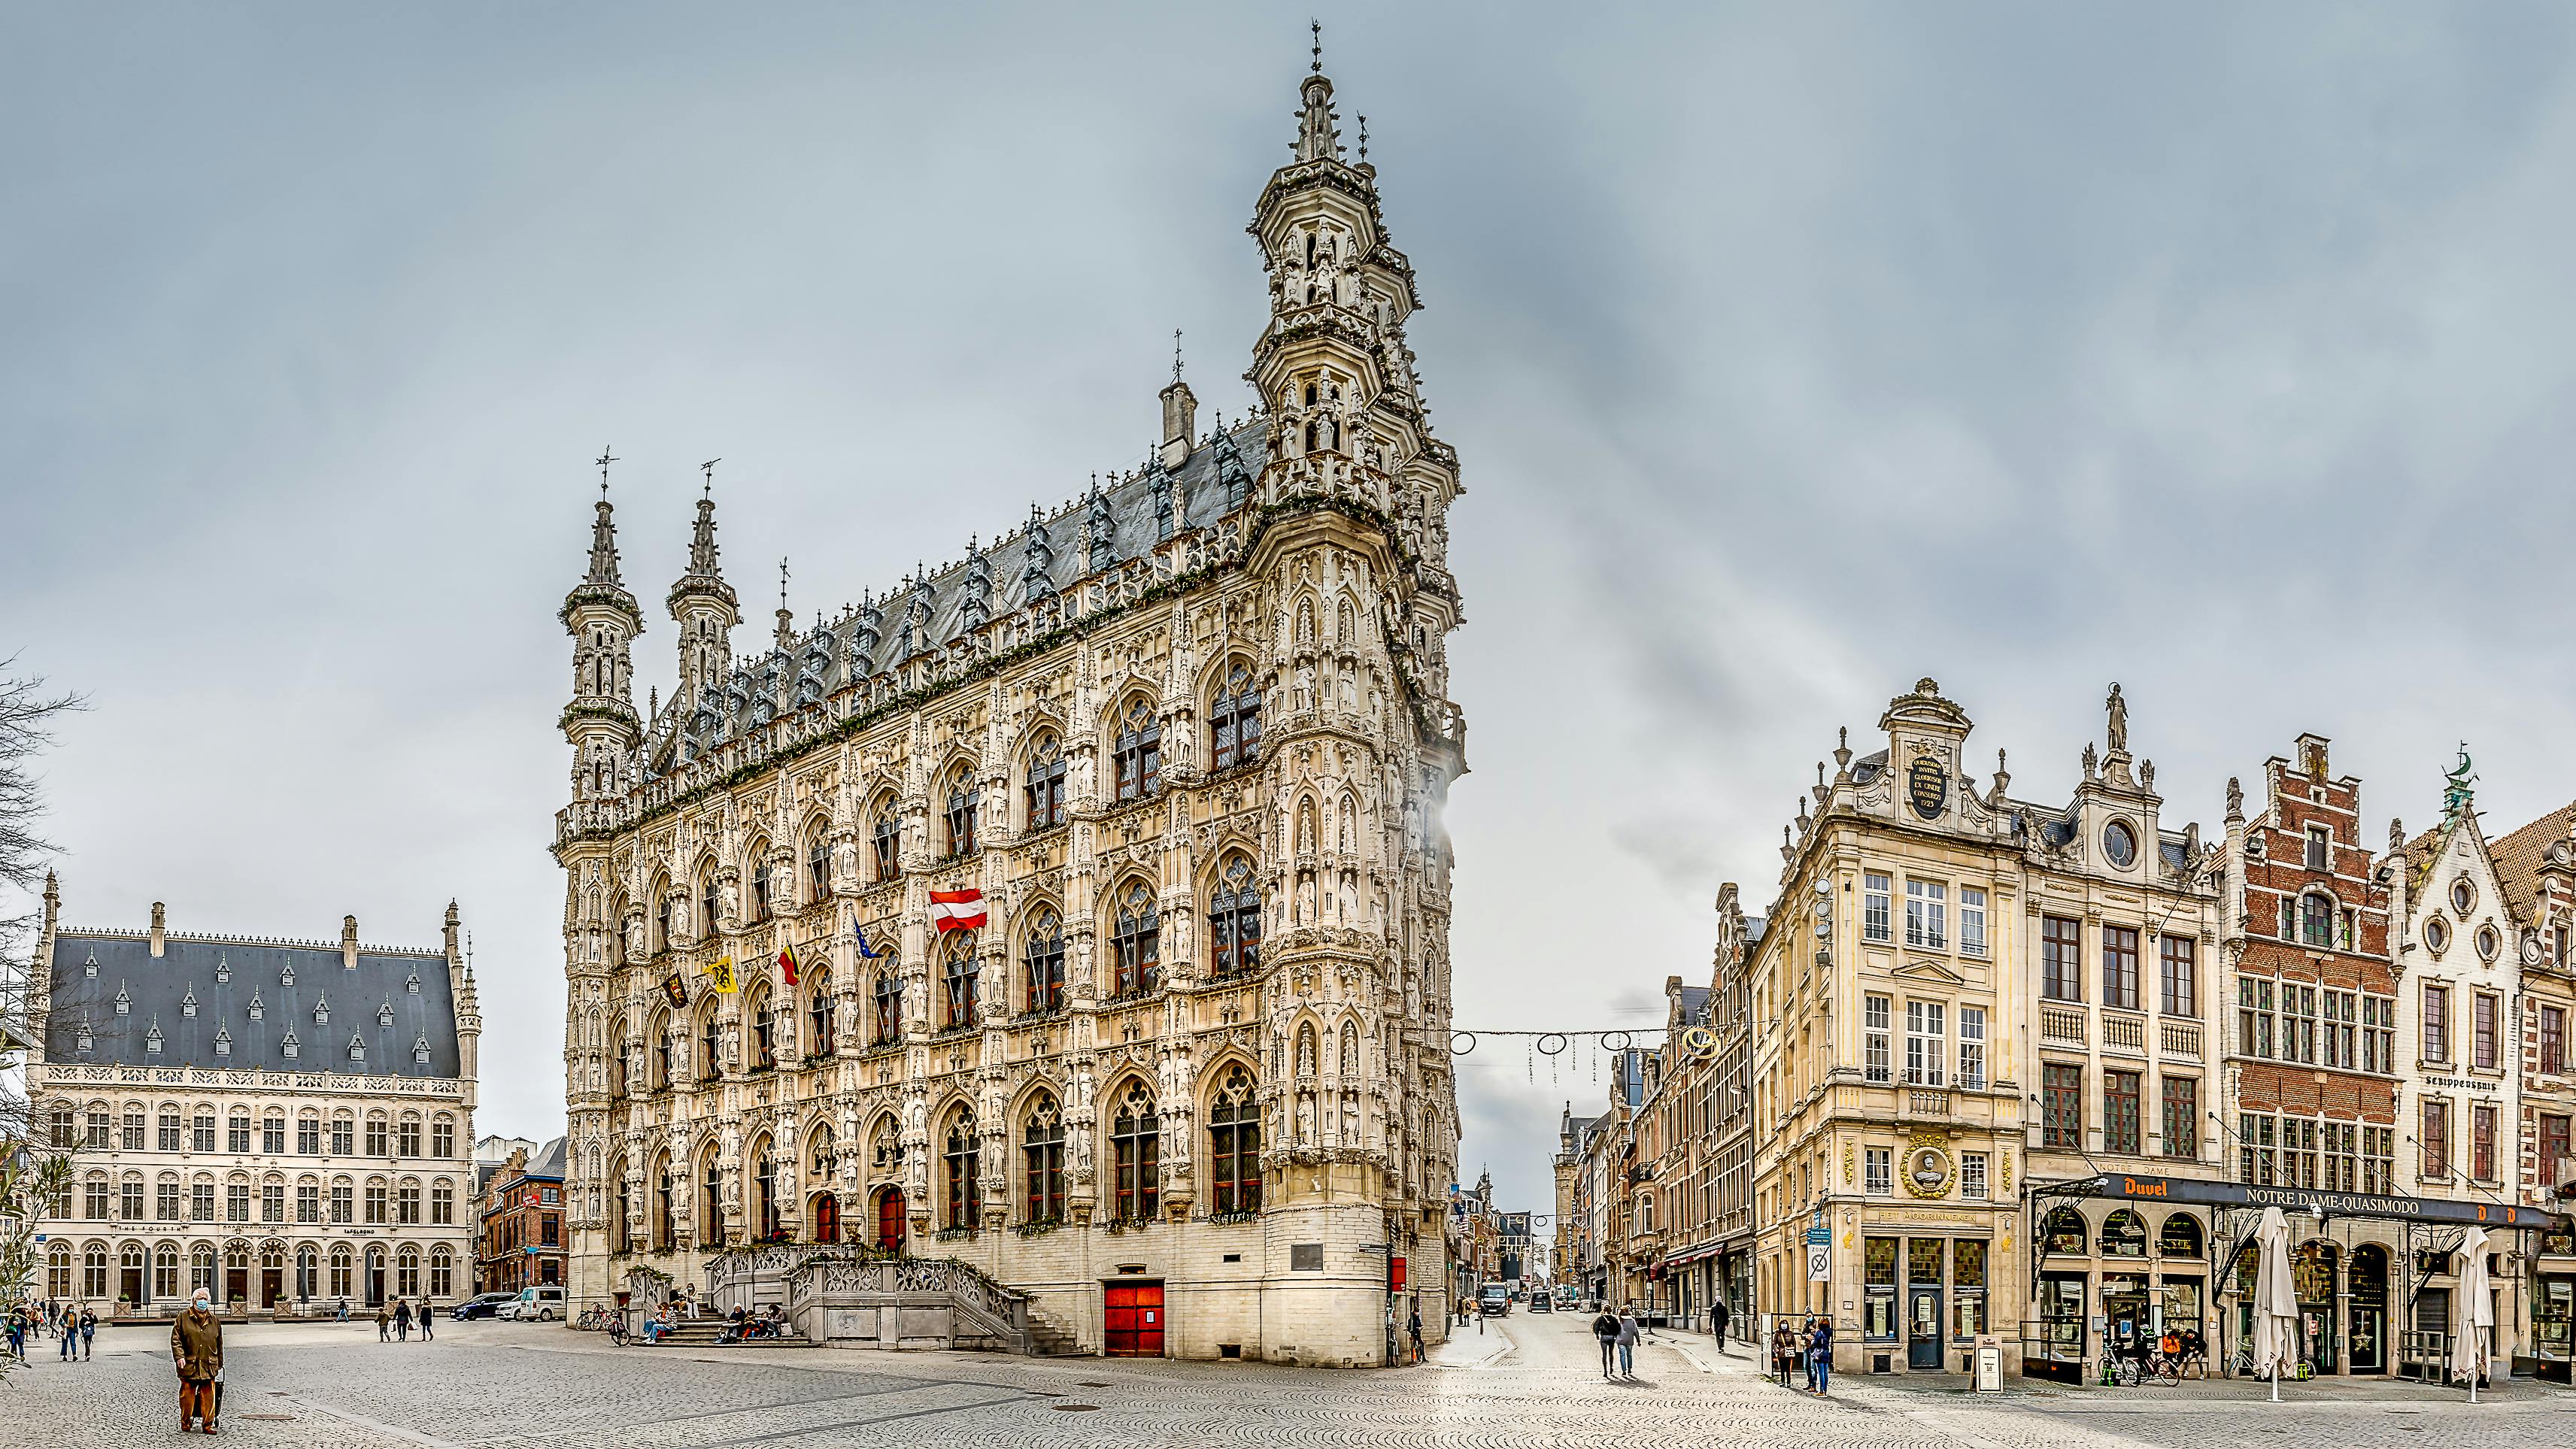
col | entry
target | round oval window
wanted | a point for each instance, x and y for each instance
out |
(2488, 942)
(2463, 896)
(2436, 935)
(2119, 843)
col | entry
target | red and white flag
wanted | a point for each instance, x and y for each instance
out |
(957, 910)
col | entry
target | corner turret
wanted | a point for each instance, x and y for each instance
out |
(703, 605)
(603, 620)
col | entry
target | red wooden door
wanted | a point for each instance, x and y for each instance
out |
(827, 1219)
(890, 1219)
(1132, 1320)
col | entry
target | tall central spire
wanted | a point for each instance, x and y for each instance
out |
(1317, 139)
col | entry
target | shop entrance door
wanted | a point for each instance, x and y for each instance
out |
(237, 1285)
(2061, 1328)
(1132, 1320)
(272, 1283)
(1923, 1328)
(2368, 1326)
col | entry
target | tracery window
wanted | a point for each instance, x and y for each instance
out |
(1234, 1144)
(959, 979)
(818, 870)
(1044, 961)
(708, 920)
(1135, 1144)
(889, 1007)
(764, 1033)
(1139, 751)
(962, 1156)
(887, 840)
(1234, 921)
(1042, 1155)
(760, 889)
(710, 1047)
(1136, 942)
(964, 798)
(818, 1017)
(1234, 720)
(1046, 783)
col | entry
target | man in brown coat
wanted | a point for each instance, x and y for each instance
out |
(197, 1343)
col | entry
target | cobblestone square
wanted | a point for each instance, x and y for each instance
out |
(1523, 1382)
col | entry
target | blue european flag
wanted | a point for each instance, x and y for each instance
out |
(860, 936)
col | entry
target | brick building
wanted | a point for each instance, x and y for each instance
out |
(522, 1241)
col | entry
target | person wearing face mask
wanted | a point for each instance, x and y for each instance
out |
(197, 1344)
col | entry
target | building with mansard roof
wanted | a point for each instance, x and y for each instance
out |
(285, 1123)
(1183, 1085)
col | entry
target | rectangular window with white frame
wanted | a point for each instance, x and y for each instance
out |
(1926, 1042)
(1879, 1175)
(1875, 1046)
(1926, 907)
(1972, 1174)
(1875, 907)
(1972, 921)
(1972, 1048)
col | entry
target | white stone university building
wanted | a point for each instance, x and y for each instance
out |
(286, 1123)
(1188, 1085)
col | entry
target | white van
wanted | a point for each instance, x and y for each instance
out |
(542, 1304)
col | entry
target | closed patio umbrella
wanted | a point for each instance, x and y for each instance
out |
(2476, 1321)
(2276, 1299)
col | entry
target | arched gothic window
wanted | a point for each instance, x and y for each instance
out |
(889, 1007)
(662, 1058)
(764, 1033)
(2316, 919)
(965, 797)
(887, 838)
(1139, 750)
(1046, 783)
(666, 1233)
(819, 1153)
(1042, 1154)
(711, 1218)
(1042, 961)
(1136, 942)
(959, 980)
(1234, 920)
(708, 920)
(764, 1180)
(760, 888)
(1234, 720)
(710, 1047)
(1234, 1144)
(662, 922)
(962, 1156)
(1135, 1144)
(818, 870)
(818, 1015)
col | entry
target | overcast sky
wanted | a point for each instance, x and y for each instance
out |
(1791, 353)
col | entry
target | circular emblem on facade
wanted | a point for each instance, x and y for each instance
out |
(1927, 1171)
(1699, 1041)
(1927, 788)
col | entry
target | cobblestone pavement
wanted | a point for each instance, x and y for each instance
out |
(1526, 1381)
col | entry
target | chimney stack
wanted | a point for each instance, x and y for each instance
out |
(156, 928)
(348, 943)
(1180, 422)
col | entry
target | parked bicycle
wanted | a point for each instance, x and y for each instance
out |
(593, 1319)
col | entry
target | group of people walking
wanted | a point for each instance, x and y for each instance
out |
(1618, 1334)
(1808, 1348)
(394, 1321)
(74, 1326)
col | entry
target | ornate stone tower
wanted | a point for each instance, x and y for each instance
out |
(602, 618)
(703, 605)
(1359, 1100)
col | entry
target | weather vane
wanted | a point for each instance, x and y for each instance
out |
(1318, 27)
(782, 584)
(605, 458)
(709, 468)
(1176, 354)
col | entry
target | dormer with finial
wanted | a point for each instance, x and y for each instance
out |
(603, 620)
(703, 605)
(1180, 414)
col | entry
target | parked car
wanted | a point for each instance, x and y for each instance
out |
(1494, 1300)
(482, 1305)
(543, 1305)
(1539, 1304)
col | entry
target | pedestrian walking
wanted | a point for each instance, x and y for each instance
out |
(425, 1315)
(344, 1310)
(1627, 1341)
(197, 1349)
(1820, 1353)
(18, 1333)
(1606, 1329)
(1413, 1327)
(70, 1336)
(1717, 1317)
(384, 1324)
(88, 1331)
(402, 1320)
(1781, 1351)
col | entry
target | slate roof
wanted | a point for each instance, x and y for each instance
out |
(550, 1163)
(1042, 558)
(1694, 1005)
(227, 978)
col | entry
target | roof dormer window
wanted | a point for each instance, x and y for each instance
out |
(223, 970)
(385, 1013)
(322, 1010)
(81, 1042)
(357, 1048)
(188, 1003)
(413, 985)
(152, 1039)
(256, 1009)
(89, 968)
(223, 1042)
(124, 1003)
(420, 1049)
(286, 974)
(286, 1048)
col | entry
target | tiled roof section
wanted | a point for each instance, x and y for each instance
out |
(2519, 856)
(1694, 1005)
(229, 980)
(549, 1163)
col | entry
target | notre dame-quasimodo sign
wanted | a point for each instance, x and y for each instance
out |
(1927, 787)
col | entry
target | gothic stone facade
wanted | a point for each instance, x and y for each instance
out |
(1192, 746)
(284, 1123)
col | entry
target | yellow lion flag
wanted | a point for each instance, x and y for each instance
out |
(721, 969)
